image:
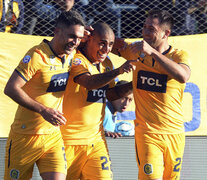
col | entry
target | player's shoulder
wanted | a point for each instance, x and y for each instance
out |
(43, 48)
(180, 56)
(178, 52)
(38, 50)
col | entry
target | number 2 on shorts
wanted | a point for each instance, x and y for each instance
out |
(104, 164)
(176, 169)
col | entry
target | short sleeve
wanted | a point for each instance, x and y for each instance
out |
(182, 57)
(78, 67)
(29, 65)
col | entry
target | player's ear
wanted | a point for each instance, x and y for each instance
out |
(167, 33)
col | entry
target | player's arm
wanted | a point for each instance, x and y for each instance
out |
(14, 90)
(99, 80)
(119, 44)
(118, 92)
(180, 72)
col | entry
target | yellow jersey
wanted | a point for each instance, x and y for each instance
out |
(158, 97)
(46, 77)
(84, 109)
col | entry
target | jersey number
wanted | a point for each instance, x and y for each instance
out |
(104, 164)
(176, 169)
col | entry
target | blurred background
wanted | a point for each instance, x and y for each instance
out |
(37, 17)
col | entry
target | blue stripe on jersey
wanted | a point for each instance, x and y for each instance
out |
(21, 75)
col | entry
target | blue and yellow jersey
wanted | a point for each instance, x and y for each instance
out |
(46, 78)
(84, 109)
(158, 97)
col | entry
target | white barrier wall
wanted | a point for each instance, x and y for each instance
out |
(124, 164)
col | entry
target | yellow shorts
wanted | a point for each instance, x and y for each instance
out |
(88, 162)
(159, 155)
(22, 151)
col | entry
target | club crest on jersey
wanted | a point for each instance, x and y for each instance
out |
(14, 174)
(151, 81)
(97, 95)
(76, 61)
(26, 59)
(148, 169)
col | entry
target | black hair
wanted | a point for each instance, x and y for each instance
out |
(163, 16)
(121, 82)
(68, 18)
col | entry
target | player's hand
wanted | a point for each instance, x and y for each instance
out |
(141, 46)
(112, 134)
(87, 33)
(128, 66)
(53, 116)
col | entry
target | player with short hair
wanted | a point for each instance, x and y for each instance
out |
(37, 85)
(84, 103)
(158, 86)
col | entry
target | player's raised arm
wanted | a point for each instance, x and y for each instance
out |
(99, 80)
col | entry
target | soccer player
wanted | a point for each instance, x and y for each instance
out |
(84, 103)
(37, 85)
(158, 86)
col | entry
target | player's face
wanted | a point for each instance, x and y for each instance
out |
(70, 38)
(100, 46)
(152, 32)
(121, 104)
